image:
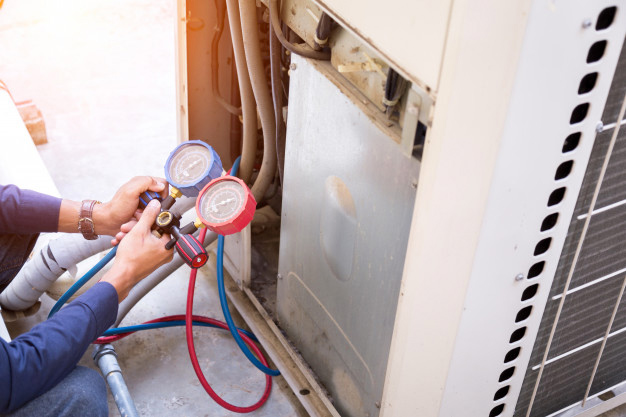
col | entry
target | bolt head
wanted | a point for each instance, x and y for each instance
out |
(599, 127)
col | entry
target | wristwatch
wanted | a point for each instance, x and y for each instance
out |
(85, 219)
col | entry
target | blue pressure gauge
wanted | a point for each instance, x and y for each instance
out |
(191, 166)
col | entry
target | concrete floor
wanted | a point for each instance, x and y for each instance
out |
(102, 73)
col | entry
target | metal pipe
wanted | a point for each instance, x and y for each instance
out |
(106, 359)
(296, 49)
(277, 96)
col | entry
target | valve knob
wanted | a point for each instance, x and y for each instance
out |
(146, 197)
(191, 251)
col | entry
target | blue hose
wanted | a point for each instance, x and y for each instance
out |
(224, 301)
(173, 323)
(235, 167)
(78, 284)
(228, 317)
(91, 273)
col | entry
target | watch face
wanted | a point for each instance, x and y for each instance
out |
(222, 202)
(190, 164)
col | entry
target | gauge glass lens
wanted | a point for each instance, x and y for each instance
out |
(190, 164)
(222, 201)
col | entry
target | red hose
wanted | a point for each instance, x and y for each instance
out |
(108, 339)
(194, 359)
(189, 318)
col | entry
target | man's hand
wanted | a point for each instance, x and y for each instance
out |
(138, 254)
(109, 217)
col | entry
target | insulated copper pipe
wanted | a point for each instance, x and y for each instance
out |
(256, 70)
(248, 105)
(277, 96)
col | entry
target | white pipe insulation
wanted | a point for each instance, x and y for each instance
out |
(248, 105)
(256, 69)
(40, 272)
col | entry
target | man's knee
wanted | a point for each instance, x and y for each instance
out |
(86, 393)
(82, 393)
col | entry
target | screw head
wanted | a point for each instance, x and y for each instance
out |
(599, 127)
(587, 23)
(293, 66)
(519, 277)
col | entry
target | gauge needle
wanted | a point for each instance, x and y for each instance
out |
(191, 165)
(214, 207)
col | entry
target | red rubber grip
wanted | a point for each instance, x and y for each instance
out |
(192, 252)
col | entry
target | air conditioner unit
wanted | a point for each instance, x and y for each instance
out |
(485, 276)
(511, 300)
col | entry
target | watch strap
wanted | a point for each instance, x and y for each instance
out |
(85, 219)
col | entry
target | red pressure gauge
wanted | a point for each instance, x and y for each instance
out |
(226, 205)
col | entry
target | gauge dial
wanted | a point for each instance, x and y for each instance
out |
(191, 166)
(226, 205)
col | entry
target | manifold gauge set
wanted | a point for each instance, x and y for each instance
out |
(224, 203)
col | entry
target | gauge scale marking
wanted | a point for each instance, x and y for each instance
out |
(226, 205)
(191, 166)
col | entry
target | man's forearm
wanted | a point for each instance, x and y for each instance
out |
(27, 212)
(35, 361)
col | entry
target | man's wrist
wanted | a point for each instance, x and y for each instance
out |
(120, 277)
(102, 220)
(68, 216)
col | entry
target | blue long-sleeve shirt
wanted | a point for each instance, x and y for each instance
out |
(27, 212)
(36, 361)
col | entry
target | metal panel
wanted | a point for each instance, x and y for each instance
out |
(499, 127)
(423, 24)
(347, 203)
